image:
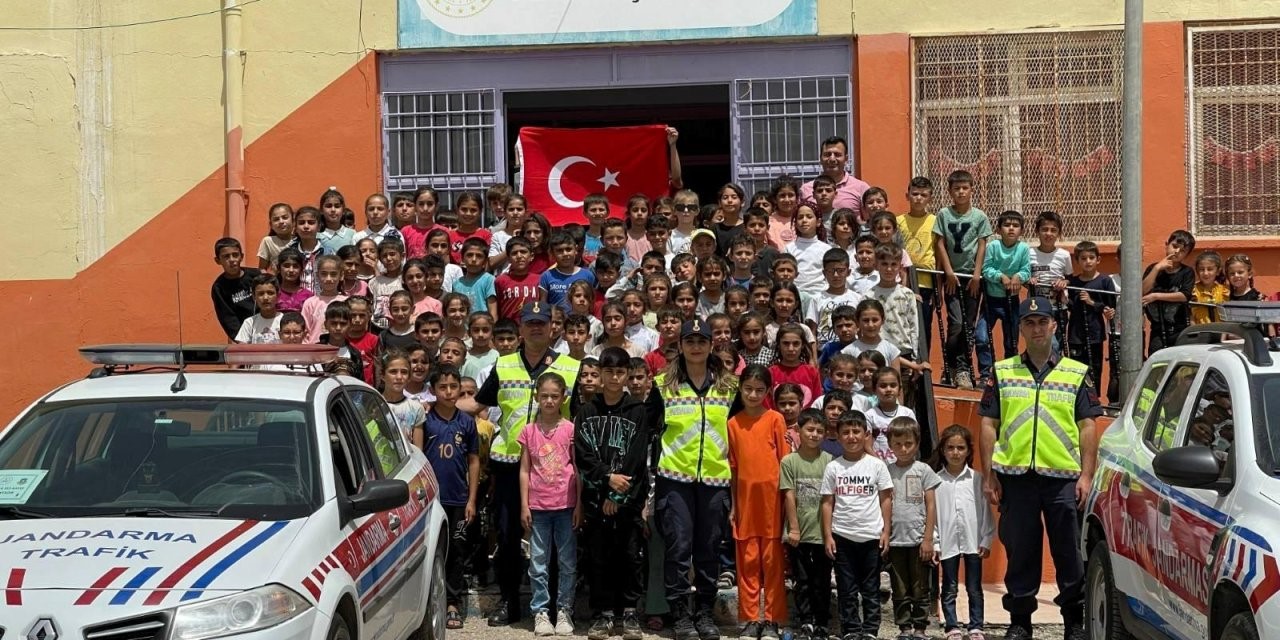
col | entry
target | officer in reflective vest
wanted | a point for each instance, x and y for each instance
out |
(1037, 440)
(509, 387)
(691, 492)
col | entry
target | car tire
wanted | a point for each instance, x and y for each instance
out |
(1102, 601)
(1240, 627)
(433, 620)
(339, 630)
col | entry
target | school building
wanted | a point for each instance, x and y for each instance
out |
(138, 133)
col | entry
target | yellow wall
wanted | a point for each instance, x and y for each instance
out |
(870, 17)
(107, 127)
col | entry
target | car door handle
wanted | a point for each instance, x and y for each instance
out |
(393, 523)
(421, 495)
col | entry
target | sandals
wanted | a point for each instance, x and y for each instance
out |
(453, 619)
(654, 623)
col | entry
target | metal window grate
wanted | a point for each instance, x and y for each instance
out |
(1234, 129)
(780, 123)
(1035, 117)
(442, 140)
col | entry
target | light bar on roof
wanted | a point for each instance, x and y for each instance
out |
(286, 354)
(1250, 312)
(151, 354)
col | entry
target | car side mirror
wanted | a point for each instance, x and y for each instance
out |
(378, 495)
(1191, 467)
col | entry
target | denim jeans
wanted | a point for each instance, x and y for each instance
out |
(552, 528)
(1002, 311)
(972, 587)
(858, 577)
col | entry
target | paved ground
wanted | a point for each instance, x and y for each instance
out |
(1047, 622)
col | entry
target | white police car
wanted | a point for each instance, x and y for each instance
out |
(1181, 526)
(171, 504)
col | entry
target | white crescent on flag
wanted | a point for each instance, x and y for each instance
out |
(553, 181)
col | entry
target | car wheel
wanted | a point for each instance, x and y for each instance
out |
(1102, 601)
(340, 630)
(433, 623)
(1240, 627)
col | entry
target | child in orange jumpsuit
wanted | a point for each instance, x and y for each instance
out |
(757, 444)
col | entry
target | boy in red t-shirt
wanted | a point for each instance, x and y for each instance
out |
(669, 319)
(517, 286)
(358, 334)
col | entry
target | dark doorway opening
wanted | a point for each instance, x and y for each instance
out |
(700, 113)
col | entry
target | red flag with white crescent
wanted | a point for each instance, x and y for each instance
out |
(560, 167)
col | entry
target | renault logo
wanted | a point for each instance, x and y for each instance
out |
(43, 629)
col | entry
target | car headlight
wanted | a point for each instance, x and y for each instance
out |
(252, 610)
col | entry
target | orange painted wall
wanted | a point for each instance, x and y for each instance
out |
(129, 294)
(883, 83)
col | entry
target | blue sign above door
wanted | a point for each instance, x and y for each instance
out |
(493, 23)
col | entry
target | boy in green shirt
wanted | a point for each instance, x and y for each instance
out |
(800, 481)
(1007, 265)
(960, 243)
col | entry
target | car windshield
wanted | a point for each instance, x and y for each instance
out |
(1268, 440)
(231, 458)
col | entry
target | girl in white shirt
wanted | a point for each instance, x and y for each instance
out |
(965, 529)
(808, 249)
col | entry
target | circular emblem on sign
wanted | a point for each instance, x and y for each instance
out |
(459, 8)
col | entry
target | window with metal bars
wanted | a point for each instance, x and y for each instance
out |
(780, 123)
(1035, 117)
(442, 140)
(1234, 129)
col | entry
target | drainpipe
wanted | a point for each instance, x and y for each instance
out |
(233, 115)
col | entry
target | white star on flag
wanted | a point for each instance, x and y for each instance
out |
(609, 179)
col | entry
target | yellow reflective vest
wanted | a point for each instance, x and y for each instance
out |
(517, 403)
(695, 441)
(1038, 430)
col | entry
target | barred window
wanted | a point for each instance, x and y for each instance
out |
(1035, 117)
(780, 123)
(443, 140)
(1234, 130)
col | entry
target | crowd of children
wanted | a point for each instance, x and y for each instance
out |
(816, 309)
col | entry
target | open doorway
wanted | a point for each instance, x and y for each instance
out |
(700, 113)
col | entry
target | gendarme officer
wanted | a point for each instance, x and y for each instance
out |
(1037, 440)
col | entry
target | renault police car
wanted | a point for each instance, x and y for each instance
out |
(152, 501)
(1181, 527)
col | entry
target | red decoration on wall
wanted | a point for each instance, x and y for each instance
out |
(944, 164)
(1219, 154)
(1081, 167)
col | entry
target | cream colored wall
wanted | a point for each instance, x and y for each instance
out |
(869, 17)
(106, 127)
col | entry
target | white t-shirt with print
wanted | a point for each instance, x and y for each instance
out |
(856, 486)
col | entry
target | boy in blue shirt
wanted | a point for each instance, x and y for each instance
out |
(844, 326)
(477, 284)
(555, 281)
(960, 242)
(1006, 267)
(452, 446)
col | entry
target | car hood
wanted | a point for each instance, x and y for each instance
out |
(156, 560)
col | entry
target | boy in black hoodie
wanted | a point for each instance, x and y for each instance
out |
(232, 290)
(612, 438)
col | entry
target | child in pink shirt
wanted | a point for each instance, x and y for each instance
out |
(551, 510)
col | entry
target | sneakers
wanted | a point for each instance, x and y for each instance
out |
(1075, 631)
(956, 634)
(905, 634)
(706, 626)
(542, 625)
(564, 623)
(964, 380)
(1017, 632)
(726, 580)
(750, 631)
(804, 632)
(631, 625)
(601, 628)
(852, 636)
(819, 633)
(920, 634)
(975, 634)
(769, 631)
(886, 585)
(684, 629)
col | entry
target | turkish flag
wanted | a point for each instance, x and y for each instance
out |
(560, 167)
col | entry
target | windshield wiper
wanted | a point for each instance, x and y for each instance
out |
(17, 512)
(157, 512)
